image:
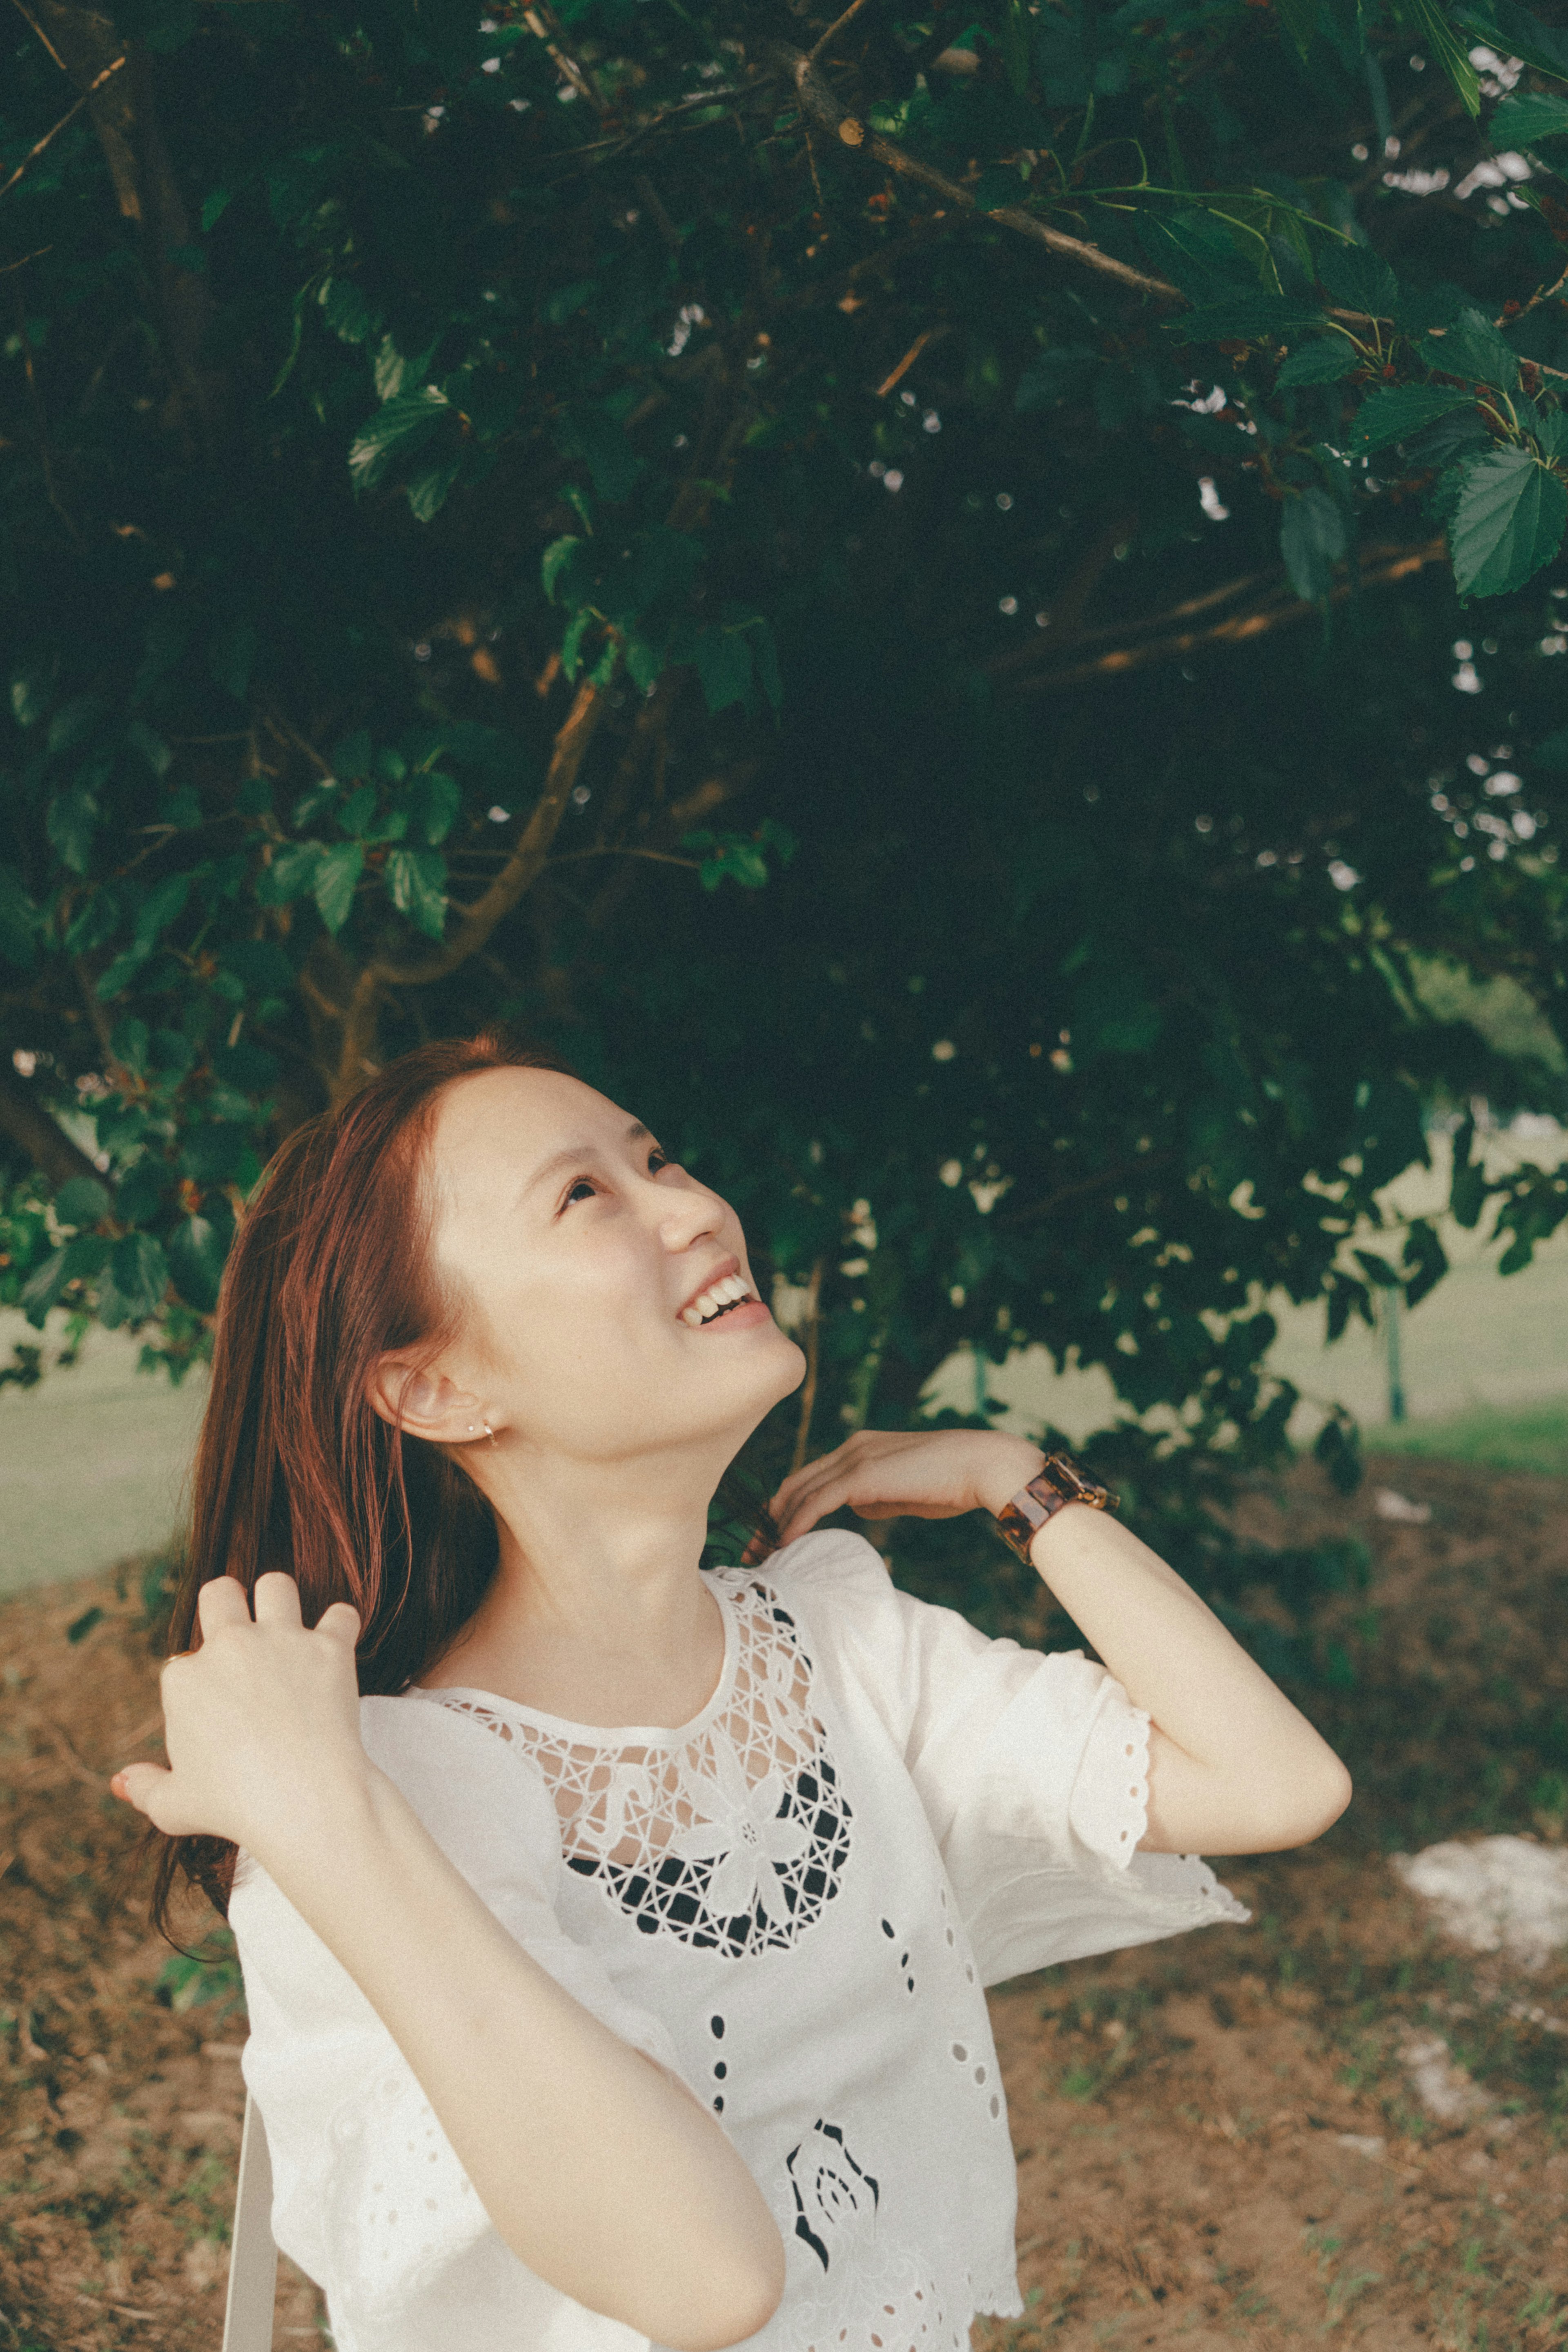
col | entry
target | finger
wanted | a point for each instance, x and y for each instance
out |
(276, 1599)
(802, 1484)
(222, 1602)
(340, 1622)
(810, 1507)
(151, 1788)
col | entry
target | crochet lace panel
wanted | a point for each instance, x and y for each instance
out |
(731, 1837)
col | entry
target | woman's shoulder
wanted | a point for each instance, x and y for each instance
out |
(831, 1562)
(459, 1764)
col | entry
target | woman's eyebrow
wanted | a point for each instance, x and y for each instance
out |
(574, 1155)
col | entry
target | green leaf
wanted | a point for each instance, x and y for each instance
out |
(1326, 359)
(336, 876)
(416, 885)
(393, 372)
(1300, 18)
(1311, 541)
(1508, 520)
(1356, 278)
(139, 1271)
(42, 1288)
(556, 555)
(1255, 317)
(1529, 120)
(197, 1248)
(615, 465)
(357, 812)
(1338, 1450)
(427, 491)
(1395, 411)
(1427, 20)
(396, 432)
(70, 823)
(1512, 31)
(724, 666)
(434, 802)
(20, 921)
(129, 1044)
(350, 313)
(291, 874)
(82, 1201)
(1473, 347)
(151, 746)
(213, 208)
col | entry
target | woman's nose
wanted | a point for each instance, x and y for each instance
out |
(689, 1212)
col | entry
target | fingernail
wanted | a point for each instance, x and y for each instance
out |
(117, 1785)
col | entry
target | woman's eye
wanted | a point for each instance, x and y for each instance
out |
(582, 1188)
(657, 1160)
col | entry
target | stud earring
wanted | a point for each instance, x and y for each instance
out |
(489, 1432)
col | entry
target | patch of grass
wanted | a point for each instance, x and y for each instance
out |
(1516, 1437)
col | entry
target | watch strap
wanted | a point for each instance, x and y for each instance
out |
(1058, 1481)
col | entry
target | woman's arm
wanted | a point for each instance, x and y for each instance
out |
(601, 2171)
(1233, 1767)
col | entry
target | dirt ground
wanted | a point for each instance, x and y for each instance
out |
(1225, 2140)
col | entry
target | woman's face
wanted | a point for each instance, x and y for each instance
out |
(600, 1285)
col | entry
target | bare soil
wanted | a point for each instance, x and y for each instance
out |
(1222, 2140)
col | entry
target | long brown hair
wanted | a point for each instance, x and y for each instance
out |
(295, 1468)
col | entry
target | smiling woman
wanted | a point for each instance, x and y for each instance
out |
(615, 1936)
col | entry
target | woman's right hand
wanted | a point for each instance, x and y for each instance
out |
(261, 1724)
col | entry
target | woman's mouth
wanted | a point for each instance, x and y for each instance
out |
(720, 1299)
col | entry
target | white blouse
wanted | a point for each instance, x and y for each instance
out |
(793, 1902)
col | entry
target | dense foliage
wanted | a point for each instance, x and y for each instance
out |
(895, 585)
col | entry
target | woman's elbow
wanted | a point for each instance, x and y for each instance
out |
(735, 2306)
(1309, 1804)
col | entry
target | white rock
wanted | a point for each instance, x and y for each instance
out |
(1389, 1504)
(1495, 1894)
(1444, 2089)
(1364, 2144)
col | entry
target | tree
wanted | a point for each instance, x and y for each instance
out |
(906, 587)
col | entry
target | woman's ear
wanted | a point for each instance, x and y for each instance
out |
(425, 1402)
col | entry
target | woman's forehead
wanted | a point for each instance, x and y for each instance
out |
(500, 1126)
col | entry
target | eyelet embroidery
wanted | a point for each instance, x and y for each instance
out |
(733, 1841)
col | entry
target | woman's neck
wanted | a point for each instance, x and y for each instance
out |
(598, 1612)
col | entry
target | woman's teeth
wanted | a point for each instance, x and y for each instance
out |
(712, 1302)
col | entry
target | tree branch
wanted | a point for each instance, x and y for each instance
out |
(834, 30)
(818, 103)
(1272, 612)
(355, 1059)
(1125, 1174)
(66, 118)
(29, 1126)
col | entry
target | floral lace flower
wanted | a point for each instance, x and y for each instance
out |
(742, 1832)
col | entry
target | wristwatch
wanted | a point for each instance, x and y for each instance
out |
(1058, 1482)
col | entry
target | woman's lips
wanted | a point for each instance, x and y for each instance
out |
(744, 1318)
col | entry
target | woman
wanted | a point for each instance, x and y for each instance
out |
(614, 1945)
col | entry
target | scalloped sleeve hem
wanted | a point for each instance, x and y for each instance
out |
(1041, 1841)
(1031, 1768)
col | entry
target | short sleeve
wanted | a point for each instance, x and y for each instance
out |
(369, 2197)
(1031, 1767)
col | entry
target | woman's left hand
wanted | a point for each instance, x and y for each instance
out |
(921, 1474)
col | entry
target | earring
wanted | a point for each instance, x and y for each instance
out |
(489, 1432)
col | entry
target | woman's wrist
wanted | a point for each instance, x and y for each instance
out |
(1008, 1467)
